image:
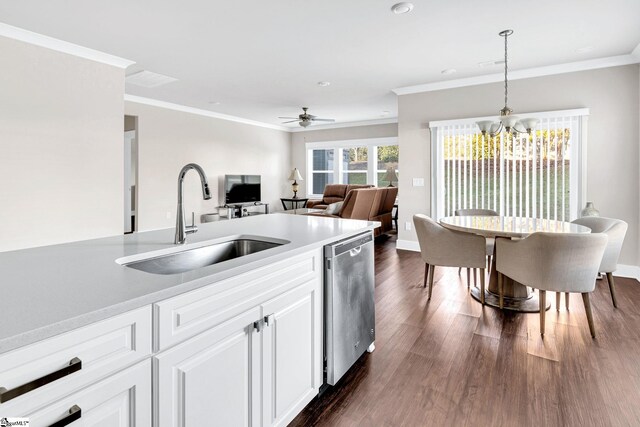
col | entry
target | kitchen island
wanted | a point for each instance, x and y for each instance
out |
(255, 321)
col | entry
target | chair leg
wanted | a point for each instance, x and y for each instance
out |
(566, 300)
(431, 271)
(475, 277)
(558, 300)
(543, 309)
(482, 286)
(468, 277)
(587, 309)
(489, 260)
(426, 274)
(459, 270)
(612, 289)
(501, 289)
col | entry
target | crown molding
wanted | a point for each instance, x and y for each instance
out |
(345, 125)
(570, 67)
(200, 112)
(62, 46)
(636, 52)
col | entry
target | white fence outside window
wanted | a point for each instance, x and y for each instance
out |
(541, 175)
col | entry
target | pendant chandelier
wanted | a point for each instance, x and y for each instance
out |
(511, 124)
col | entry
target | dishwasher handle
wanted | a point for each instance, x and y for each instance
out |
(355, 251)
(348, 245)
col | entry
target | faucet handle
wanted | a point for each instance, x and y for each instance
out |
(193, 219)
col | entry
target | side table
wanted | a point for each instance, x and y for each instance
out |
(293, 203)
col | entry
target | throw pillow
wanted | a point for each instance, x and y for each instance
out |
(333, 208)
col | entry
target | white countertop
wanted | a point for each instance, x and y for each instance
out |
(49, 290)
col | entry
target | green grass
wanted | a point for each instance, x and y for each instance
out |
(542, 185)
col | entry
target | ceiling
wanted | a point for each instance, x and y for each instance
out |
(262, 59)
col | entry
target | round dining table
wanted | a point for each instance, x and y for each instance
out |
(517, 296)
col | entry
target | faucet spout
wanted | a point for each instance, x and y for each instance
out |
(181, 227)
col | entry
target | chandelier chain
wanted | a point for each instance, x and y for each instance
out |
(506, 85)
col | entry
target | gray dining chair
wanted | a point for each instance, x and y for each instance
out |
(442, 247)
(490, 240)
(615, 230)
(552, 262)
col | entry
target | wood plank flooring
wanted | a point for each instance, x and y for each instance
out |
(451, 362)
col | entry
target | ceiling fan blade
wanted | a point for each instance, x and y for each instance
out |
(290, 118)
(291, 121)
(323, 120)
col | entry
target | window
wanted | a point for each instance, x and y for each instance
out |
(537, 176)
(322, 169)
(361, 162)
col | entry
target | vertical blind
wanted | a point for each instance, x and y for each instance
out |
(515, 175)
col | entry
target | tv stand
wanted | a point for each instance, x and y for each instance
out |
(238, 210)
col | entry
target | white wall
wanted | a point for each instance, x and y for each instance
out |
(61, 156)
(611, 94)
(299, 139)
(169, 139)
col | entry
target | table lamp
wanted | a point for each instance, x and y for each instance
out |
(390, 176)
(295, 176)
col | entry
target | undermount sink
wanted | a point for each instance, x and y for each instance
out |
(192, 259)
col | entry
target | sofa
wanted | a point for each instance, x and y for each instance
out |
(369, 204)
(334, 193)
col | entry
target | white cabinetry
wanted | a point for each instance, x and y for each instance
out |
(259, 368)
(212, 379)
(292, 355)
(121, 400)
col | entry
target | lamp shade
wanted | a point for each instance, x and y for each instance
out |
(485, 125)
(295, 175)
(391, 175)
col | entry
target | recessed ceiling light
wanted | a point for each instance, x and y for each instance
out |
(385, 112)
(584, 49)
(324, 84)
(449, 71)
(214, 102)
(403, 7)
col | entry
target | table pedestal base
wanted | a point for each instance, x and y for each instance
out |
(530, 304)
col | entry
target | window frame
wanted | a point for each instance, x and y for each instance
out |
(577, 175)
(372, 145)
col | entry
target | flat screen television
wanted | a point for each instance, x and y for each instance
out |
(241, 189)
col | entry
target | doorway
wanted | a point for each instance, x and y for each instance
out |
(130, 173)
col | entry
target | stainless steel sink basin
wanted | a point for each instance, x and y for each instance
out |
(191, 259)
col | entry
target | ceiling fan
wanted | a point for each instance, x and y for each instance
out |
(305, 119)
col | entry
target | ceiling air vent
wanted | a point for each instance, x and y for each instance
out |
(149, 79)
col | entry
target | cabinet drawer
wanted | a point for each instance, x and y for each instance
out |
(123, 399)
(188, 314)
(43, 372)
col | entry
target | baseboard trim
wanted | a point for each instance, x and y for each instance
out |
(630, 271)
(408, 245)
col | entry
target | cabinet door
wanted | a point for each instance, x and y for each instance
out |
(123, 399)
(212, 379)
(292, 355)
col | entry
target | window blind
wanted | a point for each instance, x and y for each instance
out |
(522, 175)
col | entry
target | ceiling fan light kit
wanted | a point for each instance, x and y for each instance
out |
(511, 124)
(305, 119)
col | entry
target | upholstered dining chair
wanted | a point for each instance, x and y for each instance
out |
(490, 240)
(615, 230)
(553, 262)
(447, 248)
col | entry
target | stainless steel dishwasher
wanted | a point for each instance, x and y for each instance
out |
(349, 304)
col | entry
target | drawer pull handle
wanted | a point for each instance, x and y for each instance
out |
(74, 414)
(74, 365)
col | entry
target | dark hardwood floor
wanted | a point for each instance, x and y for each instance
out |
(451, 362)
